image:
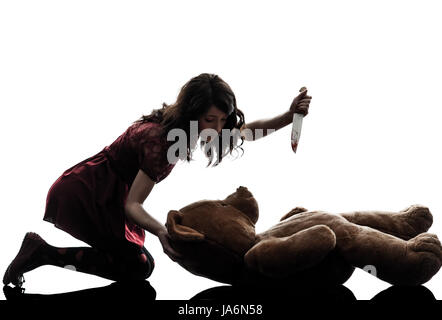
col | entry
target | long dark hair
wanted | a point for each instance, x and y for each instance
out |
(195, 99)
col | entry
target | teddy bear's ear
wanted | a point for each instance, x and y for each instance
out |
(179, 232)
(243, 200)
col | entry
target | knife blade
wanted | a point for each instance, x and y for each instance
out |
(296, 130)
(297, 126)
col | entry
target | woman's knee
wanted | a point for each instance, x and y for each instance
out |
(144, 266)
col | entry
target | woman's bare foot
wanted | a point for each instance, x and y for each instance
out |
(27, 259)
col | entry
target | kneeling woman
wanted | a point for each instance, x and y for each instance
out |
(99, 200)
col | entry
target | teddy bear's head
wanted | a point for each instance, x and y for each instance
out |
(214, 235)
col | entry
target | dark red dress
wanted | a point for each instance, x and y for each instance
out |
(87, 200)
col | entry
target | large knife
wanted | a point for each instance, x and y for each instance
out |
(297, 126)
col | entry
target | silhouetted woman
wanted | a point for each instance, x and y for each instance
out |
(100, 200)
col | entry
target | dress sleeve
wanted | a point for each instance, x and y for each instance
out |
(153, 154)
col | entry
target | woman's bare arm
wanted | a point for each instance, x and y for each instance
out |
(265, 126)
(260, 128)
(140, 189)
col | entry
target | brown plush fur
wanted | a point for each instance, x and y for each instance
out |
(217, 240)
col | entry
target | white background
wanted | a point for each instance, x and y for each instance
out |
(75, 74)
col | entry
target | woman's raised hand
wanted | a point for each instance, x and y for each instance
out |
(301, 102)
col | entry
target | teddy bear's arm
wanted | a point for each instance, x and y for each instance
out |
(280, 257)
(293, 212)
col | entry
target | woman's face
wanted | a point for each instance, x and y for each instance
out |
(214, 119)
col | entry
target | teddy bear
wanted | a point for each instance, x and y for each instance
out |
(216, 239)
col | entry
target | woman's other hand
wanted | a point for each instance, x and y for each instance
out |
(164, 238)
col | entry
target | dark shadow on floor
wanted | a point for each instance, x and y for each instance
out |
(143, 292)
(130, 291)
(405, 294)
(338, 294)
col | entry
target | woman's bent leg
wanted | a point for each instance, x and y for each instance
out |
(121, 260)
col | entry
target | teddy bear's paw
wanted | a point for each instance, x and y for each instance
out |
(418, 217)
(426, 242)
(425, 257)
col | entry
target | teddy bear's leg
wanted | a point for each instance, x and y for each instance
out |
(396, 261)
(404, 224)
(280, 257)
